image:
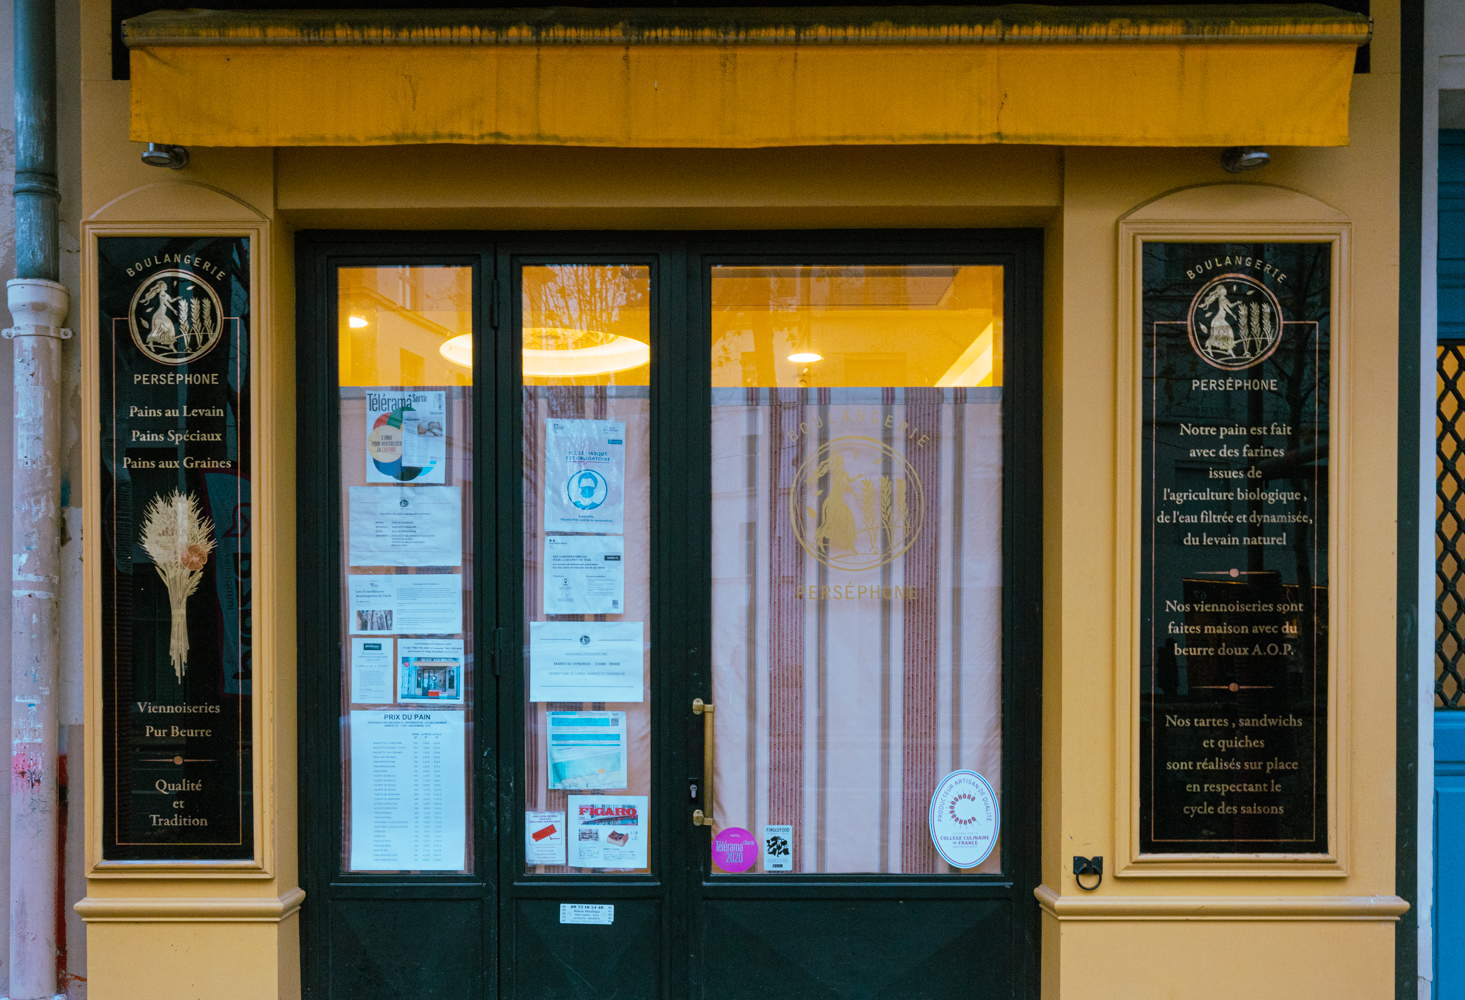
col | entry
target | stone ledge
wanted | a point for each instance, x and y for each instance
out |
(1105, 907)
(268, 909)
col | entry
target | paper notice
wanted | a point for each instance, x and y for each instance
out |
(411, 604)
(544, 838)
(408, 791)
(585, 475)
(371, 671)
(608, 831)
(584, 575)
(585, 661)
(586, 749)
(407, 526)
(406, 436)
(430, 670)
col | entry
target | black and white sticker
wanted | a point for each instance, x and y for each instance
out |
(587, 913)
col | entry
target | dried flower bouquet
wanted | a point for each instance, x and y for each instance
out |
(179, 537)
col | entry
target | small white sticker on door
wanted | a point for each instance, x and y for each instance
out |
(587, 913)
(778, 848)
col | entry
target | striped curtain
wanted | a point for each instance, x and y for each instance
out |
(856, 595)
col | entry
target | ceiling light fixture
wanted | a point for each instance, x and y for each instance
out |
(1239, 158)
(356, 322)
(615, 355)
(807, 358)
(459, 350)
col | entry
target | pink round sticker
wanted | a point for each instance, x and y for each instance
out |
(734, 850)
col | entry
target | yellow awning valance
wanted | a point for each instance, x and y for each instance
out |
(1111, 76)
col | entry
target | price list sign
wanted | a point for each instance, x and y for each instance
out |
(1234, 552)
(174, 359)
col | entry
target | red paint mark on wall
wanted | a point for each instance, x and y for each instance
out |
(27, 767)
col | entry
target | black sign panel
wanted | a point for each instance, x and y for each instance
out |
(1234, 578)
(176, 603)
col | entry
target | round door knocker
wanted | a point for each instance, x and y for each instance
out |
(1088, 866)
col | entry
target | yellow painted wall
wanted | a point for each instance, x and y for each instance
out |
(173, 937)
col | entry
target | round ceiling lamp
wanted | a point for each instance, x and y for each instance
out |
(459, 350)
(612, 354)
(807, 358)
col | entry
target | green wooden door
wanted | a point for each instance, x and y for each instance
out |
(561, 487)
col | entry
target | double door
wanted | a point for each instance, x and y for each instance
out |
(668, 613)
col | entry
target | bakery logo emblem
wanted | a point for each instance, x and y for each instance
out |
(1235, 322)
(175, 317)
(856, 504)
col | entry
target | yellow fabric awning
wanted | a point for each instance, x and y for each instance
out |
(1179, 76)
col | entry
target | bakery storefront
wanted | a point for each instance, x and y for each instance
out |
(844, 501)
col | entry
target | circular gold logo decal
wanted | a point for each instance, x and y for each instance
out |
(1235, 322)
(856, 504)
(175, 317)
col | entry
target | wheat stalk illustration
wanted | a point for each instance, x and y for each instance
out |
(179, 537)
(886, 512)
(1267, 322)
(867, 511)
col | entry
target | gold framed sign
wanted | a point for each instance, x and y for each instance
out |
(171, 381)
(1230, 701)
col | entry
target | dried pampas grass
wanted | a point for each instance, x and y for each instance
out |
(179, 537)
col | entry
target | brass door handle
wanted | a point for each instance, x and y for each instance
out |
(702, 708)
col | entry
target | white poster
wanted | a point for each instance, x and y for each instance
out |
(544, 838)
(406, 526)
(586, 749)
(778, 847)
(608, 831)
(408, 791)
(584, 575)
(430, 670)
(406, 436)
(411, 603)
(371, 671)
(585, 475)
(585, 661)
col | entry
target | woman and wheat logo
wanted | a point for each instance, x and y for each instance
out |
(856, 504)
(175, 317)
(1234, 322)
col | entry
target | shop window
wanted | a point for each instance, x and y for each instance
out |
(856, 560)
(406, 568)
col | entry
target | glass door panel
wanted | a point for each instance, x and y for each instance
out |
(406, 569)
(587, 543)
(856, 653)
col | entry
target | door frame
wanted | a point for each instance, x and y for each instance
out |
(681, 552)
